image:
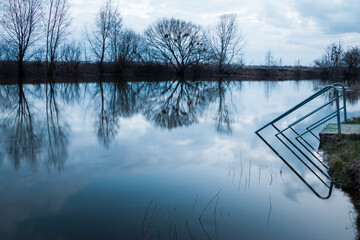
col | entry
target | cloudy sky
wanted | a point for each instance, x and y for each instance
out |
(291, 29)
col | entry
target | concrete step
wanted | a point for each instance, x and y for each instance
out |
(332, 128)
(329, 135)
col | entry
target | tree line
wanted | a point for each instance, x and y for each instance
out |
(38, 31)
(337, 61)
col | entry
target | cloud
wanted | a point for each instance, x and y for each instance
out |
(332, 17)
(292, 29)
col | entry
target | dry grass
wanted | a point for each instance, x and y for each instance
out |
(344, 161)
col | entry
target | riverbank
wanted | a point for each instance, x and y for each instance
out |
(156, 70)
(344, 161)
(344, 169)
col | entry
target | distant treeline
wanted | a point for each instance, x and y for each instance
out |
(34, 39)
(150, 71)
(337, 62)
(37, 32)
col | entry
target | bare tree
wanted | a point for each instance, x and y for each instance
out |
(331, 61)
(351, 61)
(176, 42)
(57, 24)
(116, 33)
(6, 58)
(20, 26)
(269, 59)
(225, 41)
(5, 52)
(128, 49)
(70, 55)
(99, 36)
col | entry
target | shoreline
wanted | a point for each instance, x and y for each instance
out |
(155, 70)
(343, 158)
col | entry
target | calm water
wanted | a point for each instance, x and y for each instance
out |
(165, 160)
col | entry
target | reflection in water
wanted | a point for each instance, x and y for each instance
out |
(69, 92)
(57, 131)
(22, 140)
(175, 104)
(117, 99)
(103, 193)
(293, 162)
(269, 88)
(107, 123)
(168, 104)
(352, 92)
(223, 118)
(28, 138)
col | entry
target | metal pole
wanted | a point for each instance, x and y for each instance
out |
(338, 111)
(344, 99)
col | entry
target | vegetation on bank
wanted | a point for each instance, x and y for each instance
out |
(154, 70)
(337, 62)
(344, 161)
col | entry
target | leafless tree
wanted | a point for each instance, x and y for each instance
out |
(116, 33)
(147, 54)
(176, 42)
(5, 52)
(269, 59)
(70, 55)
(225, 41)
(351, 60)
(331, 61)
(58, 21)
(6, 58)
(20, 22)
(100, 35)
(128, 49)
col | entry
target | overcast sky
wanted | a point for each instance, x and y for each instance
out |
(291, 29)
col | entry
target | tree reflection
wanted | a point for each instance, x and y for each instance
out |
(223, 118)
(175, 104)
(352, 93)
(22, 140)
(57, 131)
(269, 87)
(29, 138)
(69, 92)
(117, 99)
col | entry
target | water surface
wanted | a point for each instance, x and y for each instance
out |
(150, 160)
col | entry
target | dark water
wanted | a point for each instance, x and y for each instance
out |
(157, 160)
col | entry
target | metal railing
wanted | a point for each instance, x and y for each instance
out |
(300, 147)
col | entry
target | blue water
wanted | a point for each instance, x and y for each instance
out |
(150, 160)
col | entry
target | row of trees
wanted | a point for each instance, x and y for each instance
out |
(44, 28)
(24, 23)
(337, 61)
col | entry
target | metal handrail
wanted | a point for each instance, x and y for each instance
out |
(312, 97)
(294, 148)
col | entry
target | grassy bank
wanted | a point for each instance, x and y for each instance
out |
(344, 161)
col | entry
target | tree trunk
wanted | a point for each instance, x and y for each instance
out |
(181, 71)
(20, 67)
(101, 68)
(51, 68)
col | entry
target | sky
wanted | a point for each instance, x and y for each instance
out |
(291, 29)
